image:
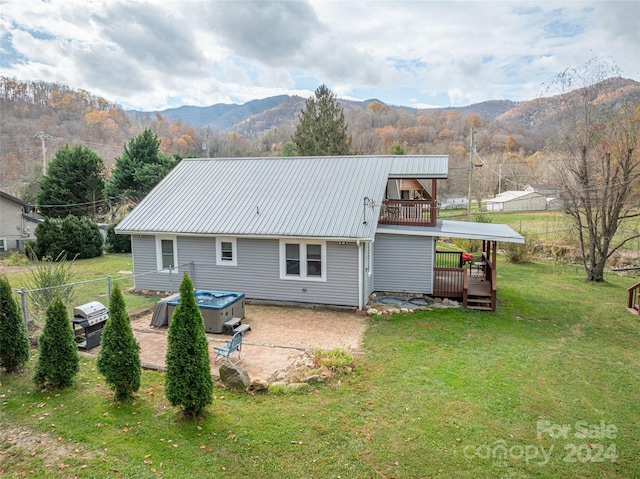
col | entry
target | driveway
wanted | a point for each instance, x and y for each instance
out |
(278, 335)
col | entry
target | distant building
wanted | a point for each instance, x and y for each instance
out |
(17, 222)
(517, 201)
(452, 202)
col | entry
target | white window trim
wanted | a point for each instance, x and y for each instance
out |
(159, 253)
(303, 260)
(234, 251)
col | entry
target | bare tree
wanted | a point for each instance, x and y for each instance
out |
(599, 162)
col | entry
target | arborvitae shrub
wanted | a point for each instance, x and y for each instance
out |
(58, 360)
(14, 342)
(188, 383)
(119, 357)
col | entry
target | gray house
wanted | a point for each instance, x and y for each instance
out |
(323, 230)
(17, 222)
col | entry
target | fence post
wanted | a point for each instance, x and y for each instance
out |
(109, 286)
(25, 314)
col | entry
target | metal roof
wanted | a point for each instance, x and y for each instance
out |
(321, 197)
(460, 229)
(512, 195)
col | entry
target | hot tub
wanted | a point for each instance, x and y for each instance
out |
(216, 307)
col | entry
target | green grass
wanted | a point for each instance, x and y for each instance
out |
(435, 393)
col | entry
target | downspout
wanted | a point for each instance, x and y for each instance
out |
(360, 276)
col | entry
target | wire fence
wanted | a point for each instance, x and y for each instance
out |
(97, 289)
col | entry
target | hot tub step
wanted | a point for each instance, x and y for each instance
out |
(243, 328)
(229, 326)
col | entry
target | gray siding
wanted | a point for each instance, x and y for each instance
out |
(257, 273)
(403, 263)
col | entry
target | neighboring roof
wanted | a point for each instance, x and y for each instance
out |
(320, 197)
(512, 195)
(13, 198)
(459, 229)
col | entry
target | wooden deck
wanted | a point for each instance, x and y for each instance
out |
(475, 288)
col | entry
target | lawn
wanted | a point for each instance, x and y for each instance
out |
(545, 387)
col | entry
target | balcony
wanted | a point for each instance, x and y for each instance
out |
(408, 212)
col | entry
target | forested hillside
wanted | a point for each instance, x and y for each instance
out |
(37, 118)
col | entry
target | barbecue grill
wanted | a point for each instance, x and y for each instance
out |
(88, 321)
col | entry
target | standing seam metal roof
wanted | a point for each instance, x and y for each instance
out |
(319, 197)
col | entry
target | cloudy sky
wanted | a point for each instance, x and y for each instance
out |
(157, 54)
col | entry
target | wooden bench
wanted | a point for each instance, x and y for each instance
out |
(233, 345)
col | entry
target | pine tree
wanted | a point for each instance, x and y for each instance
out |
(58, 360)
(119, 357)
(188, 381)
(139, 169)
(322, 130)
(73, 184)
(14, 343)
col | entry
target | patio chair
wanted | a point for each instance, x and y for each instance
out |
(233, 345)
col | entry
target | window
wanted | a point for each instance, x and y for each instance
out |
(303, 260)
(293, 259)
(167, 256)
(226, 254)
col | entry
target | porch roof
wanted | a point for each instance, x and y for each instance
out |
(459, 229)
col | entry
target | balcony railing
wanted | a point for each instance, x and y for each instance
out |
(408, 212)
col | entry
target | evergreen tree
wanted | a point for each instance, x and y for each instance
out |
(73, 184)
(188, 381)
(58, 360)
(139, 169)
(71, 237)
(322, 130)
(14, 343)
(119, 357)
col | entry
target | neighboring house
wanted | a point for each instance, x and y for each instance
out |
(517, 201)
(17, 222)
(321, 230)
(453, 202)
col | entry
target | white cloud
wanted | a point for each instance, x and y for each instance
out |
(156, 54)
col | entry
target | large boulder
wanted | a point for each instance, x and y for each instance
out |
(234, 377)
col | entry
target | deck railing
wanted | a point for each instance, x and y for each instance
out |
(449, 283)
(633, 303)
(408, 212)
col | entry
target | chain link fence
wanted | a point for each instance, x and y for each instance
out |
(81, 292)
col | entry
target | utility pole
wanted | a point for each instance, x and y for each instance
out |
(472, 147)
(41, 135)
(500, 178)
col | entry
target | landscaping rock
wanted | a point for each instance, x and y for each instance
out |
(234, 377)
(258, 386)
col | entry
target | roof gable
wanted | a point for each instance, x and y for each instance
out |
(281, 197)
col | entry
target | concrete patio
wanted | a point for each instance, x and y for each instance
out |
(278, 335)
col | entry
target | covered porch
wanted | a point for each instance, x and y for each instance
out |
(471, 281)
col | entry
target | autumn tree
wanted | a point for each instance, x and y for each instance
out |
(73, 184)
(188, 382)
(599, 164)
(140, 167)
(119, 357)
(322, 130)
(14, 342)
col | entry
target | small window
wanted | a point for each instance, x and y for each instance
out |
(226, 254)
(166, 253)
